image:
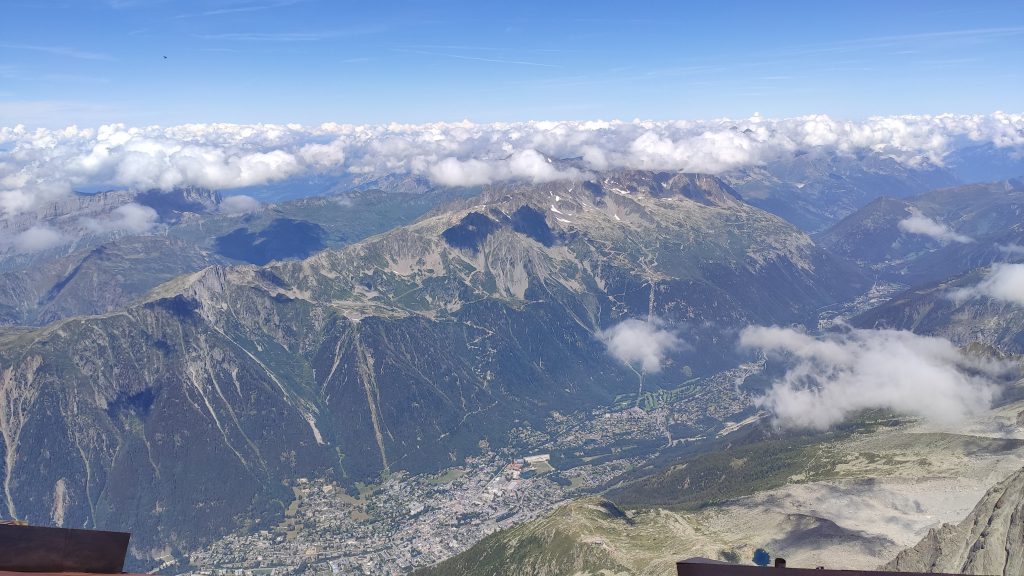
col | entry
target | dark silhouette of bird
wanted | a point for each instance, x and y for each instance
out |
(165, 57)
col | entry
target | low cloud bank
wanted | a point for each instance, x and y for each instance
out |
(1012, 249)
(526, 165)
(1003, 282)
(37, 166)
(640, 343)
(918, 223)
(37, 238)
(133, 218)
(830, 377)
(238, 205)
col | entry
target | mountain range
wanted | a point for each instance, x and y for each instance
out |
(688, 505)
(190, 229)
(383, 355)
(176, 381)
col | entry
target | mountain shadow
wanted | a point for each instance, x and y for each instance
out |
(283, 238)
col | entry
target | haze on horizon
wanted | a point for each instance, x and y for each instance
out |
(311, 61)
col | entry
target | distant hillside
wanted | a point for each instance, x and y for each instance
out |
(987, 217)
(933, 310)
(815, 190)
(95, 274)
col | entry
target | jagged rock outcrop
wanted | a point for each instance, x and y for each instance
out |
(989, 541)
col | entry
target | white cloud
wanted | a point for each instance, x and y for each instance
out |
(133, 218)
(454, 172)
(1012, 249)
(239, 204)
(640, 342)
(37, 166)
(324, 156)
(526, 165)
(1003, 282)
(37, 238)
(918, 223)
(830, 377)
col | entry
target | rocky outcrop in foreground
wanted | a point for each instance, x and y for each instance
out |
(989, 541)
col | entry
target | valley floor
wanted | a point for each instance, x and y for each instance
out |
(855, 506)
(404, 522)
(855, 502)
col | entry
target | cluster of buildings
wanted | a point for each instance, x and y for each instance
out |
(529, 466)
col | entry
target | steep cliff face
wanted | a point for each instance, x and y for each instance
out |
(989, 541)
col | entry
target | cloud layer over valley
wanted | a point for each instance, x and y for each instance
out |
(37, 238)
(239, 204)
(829, 378)
(133, 218)
(918, 223)
(37, 166)
(640, 343)
(1003, 282)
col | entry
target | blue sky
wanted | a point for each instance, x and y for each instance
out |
(310, 61)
